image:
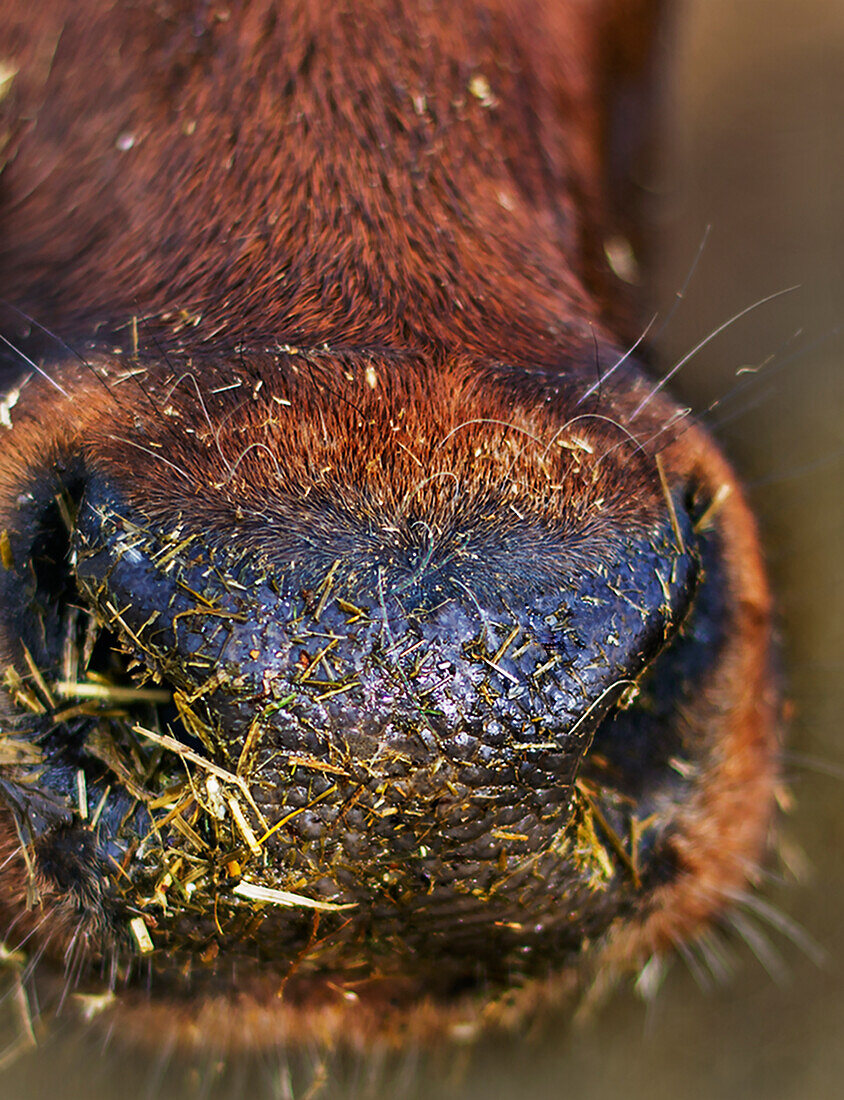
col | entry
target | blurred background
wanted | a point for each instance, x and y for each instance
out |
(755, 150)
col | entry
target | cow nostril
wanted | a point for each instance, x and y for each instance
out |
(37, 585)
(48, 625)
(74, 690)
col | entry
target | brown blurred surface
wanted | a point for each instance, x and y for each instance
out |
(757, 152)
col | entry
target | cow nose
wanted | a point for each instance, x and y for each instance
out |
(403, 705)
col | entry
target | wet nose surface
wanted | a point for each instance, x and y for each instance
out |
(404, 721)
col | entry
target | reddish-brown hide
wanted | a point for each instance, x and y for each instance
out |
(368, 174)
(411, 203)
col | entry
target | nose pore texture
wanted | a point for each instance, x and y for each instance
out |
(445, 713)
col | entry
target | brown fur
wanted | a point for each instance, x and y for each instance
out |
(385, 224)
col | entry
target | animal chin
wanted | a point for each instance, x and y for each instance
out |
(382, 716)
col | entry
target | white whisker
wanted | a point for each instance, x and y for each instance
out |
(760, 945)
(787, 927)
(619, 362)
(666, 378)
(35, 367)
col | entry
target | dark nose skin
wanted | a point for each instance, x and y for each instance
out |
(455, 685)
